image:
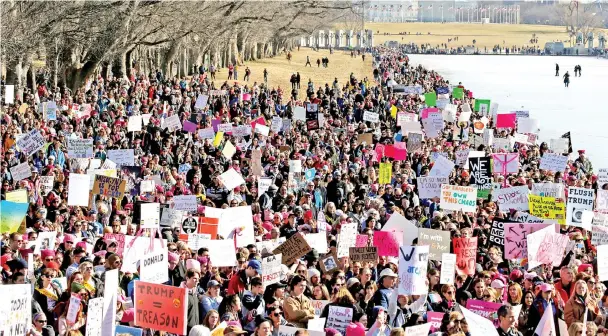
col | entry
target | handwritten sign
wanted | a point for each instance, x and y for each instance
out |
(80, 148)
(481, 175)
(466, 252)
(515, 198)
(122, 157)
(386, 172)
(448, 268)
(442, 167)
(437, 240)
(552, 248)
(16, 312)
(154, 266)
(94, 317)
(548, 189)
(456, 198)
(413, 264)
(364, 254)
(120, 241)
(185, 202)
(109, 186)
(430, 186)
(339, 318)
(547, 207)
(271, 269)
(388, 242)
(31, 142)
(292, 249)
(347, 239)
(579, 200)
(553, 162)
(319, 305)
(21, 171)
(160, 307)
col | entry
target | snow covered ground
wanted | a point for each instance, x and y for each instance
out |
(529, 83)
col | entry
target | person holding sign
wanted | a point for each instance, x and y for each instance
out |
(297, 307)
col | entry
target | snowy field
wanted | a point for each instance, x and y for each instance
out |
(529, 83)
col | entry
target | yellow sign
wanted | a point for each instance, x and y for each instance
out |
(17, 196)
(394, 111)
(218, 138)
(548, 208)
(386, 172)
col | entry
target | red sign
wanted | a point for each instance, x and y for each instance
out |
(208, 225)
(160, 307)
(466, 252)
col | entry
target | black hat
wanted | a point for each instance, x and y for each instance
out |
(16, 264)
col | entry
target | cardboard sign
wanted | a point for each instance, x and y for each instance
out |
(329, 263)
(437, 240)
(553, 162)
(292, 249)
(363, 254)
(579, 200)
(271, 269)
(413, 264)
(31, 142)
(339, 318)
(21, 171)
(430, 186)
(515, 198)
(160, 307)
(108, 186)
(458, 198)
(466, 253)
(547, 208)
(414, 141)
(388, 243)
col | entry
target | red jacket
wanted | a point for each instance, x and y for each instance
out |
(562, 292)
(236, 284)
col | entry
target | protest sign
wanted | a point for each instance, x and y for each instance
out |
(271, 269)
(185, 202)
(553, 162)
(363, 254)
(418, 330)
(45, 241)
(579, 200)
(602, 262)
(46, 184)
(548, 189)
(407, 228)
(201, 101)
(291, 331)
(515, 240)
(160, 307)
(16, 311)
(295, 166)
(21, 171)
(430, 186)
(456, 198)
(534, 240)
(599, 235)
(228, 150)
(442, 167)
(154, 266)
(551, 249)
(414, 141)
(448, 268)
(262, 129)
(481, 175)
(206, 133)
(515, 198)
(547, 207)
(602, 177)
(231, 179)
(497, 234)
(110, 294)
(461, 157)
(17, 196)
(505, 163)
(506, 120)
(430, 129)
(388, 242)
(170, 217)
(546, 326)
(434, 319)
(135, 123)
(413, 264)
(222, 252)
(120, 241)
(12, 216)
(31, 142)
(484, 309)
(317, 241)
(339, 318)
(386, 172)
(172, 123)
(94, 317)
(198, 240)
(127, 331)
(319, 305)
(78, 188)
(293, 248)
(108, 186)
(480, 326)
(80, 148)
(74, 307)
(466, 253)
(601, 200)
(189, 225)
(437, 240)
(362, 240)
(371, 116)
(9, 96)
(329, 263)
(122, 157)
(346, 239)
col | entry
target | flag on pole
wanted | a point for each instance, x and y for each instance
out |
(546, 327)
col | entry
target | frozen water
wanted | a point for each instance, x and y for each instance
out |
(529, 83)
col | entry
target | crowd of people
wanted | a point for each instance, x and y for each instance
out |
(338, 185)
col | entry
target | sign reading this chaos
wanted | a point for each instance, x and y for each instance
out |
(456, 198)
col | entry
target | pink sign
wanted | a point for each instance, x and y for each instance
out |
(362, 240)
(434, 318)
(506, 120)
(516, 243)
(425, 112)
(380, 151)
(552, 248)
(189, 126)
(246, 96)
(397, 151)
(485, 309)
(260, 121)
(388, 242)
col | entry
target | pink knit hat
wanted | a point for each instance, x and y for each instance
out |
(173, 256)
(355, 329)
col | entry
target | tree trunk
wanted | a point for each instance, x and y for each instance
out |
(169, 55)
(13, 72)
(77, 77)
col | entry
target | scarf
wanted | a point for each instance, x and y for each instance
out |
(49, 294)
